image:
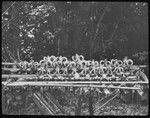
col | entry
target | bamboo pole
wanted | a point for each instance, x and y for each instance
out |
(103, 101)
(8, 63)
(41, 105)
(62, 85)
(90, 100)
(144, 76)
(11, 69)
(98, 102)
(53, 101)
(3, 102)
(8, 8)
(89, 82)
(18, 76)
(106, 102)
(45, 102)
(78, 105)
(52, 75)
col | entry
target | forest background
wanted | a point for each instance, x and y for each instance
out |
(96, 30)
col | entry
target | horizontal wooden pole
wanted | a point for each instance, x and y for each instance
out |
(10, 69)
(92, 82)
(142, 66)
(62, 85)
(17, 76)
(48, 76)
(8, 63)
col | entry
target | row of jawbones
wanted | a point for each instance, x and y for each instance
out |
(53, 62)
(77, 65)
(83, 72)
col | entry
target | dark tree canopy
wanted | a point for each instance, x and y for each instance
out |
(97, 30)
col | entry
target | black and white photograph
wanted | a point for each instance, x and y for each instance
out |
(75, 58)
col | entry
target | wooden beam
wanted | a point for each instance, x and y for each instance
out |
(100, 81)
(8, 8)
(3, 102)
(18, 76)
(78, 106)
(90, 101)
(144, 76)
(42, 107)
(45, 102)
(105, 103)
(52, 76)
(63, 85)
(52, 100)
(104, 100)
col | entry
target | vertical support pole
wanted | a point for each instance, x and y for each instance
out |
(3, 102)
(137, 98)
(74, 89)
(42, 89)
(133, 96)
(79, 103)
(91, 102)
(26, 102)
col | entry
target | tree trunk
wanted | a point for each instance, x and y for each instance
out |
(58, 49)
(97, 30)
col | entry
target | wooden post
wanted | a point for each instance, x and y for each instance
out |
(52, 100)
(3, 102)
(43, 105)
(79, 103)
(91, 103)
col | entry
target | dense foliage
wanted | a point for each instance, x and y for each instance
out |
(97, 30)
